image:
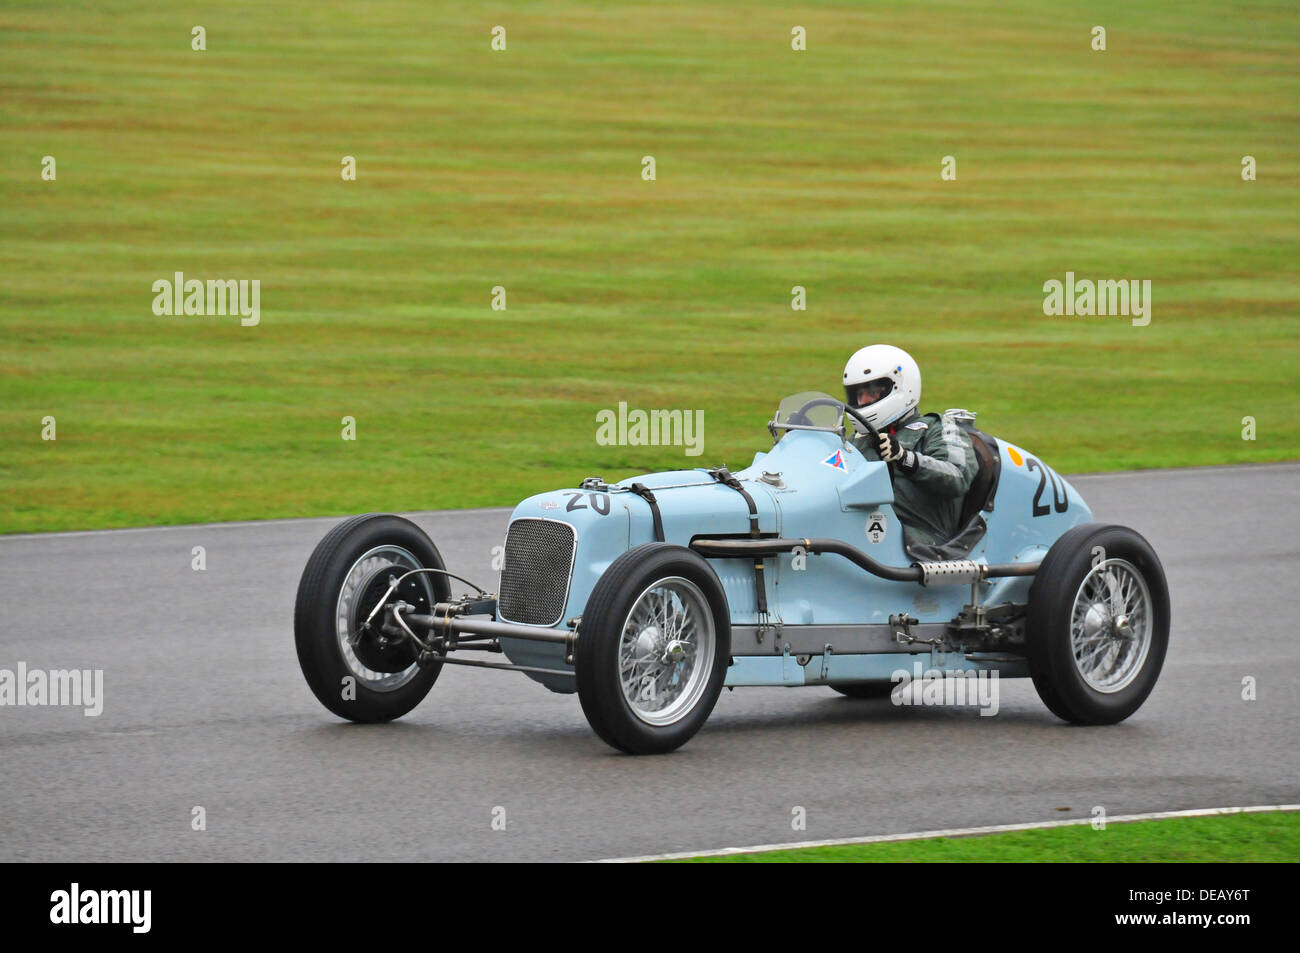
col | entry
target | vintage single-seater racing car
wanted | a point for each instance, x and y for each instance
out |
(647, 596)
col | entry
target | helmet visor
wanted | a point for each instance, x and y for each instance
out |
(864, 395)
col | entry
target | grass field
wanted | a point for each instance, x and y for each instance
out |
(522, 169)
(1264, 837)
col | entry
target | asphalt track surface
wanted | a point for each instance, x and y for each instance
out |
(205, 707)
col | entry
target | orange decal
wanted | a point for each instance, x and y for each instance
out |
(1015, 456)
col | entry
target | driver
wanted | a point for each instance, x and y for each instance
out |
(931, 459)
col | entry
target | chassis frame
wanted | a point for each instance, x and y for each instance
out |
(981, 635)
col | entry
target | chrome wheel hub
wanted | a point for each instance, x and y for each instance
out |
(666, 651)
(1111, 625)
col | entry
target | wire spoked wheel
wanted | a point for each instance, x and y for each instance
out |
(652, 649)
(1110, 631)
(666, 651)
(1097, 626)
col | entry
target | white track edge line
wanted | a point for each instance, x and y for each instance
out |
(950, 832)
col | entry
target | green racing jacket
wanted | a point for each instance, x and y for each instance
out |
(931, 482)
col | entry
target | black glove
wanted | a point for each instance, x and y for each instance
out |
(891, 451)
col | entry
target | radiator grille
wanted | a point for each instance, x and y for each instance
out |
(536, 570)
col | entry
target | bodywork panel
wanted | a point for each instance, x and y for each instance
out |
(810, 484)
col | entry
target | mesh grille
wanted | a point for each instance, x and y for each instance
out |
(535, 573)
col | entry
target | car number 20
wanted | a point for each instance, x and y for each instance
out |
(1060, 501)
(599, 502)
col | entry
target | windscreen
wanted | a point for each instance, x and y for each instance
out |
(810, 409)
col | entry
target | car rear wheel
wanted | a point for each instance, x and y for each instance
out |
(652, 649)
(1098, 624)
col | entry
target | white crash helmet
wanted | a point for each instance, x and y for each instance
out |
(891, 375)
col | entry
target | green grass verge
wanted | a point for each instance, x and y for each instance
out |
(522, 169)
(1230, 838)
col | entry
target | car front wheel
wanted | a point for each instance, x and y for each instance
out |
(652, 649)
(357, 671)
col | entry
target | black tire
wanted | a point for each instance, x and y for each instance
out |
(864, 690)
(1052, 665)
(315, 634)
(596, 654)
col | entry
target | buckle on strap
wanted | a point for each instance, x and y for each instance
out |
(643, 491)
(723, 476)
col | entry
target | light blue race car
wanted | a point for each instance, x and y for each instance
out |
(648, 596)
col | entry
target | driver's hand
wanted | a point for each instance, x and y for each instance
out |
(891, 451)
